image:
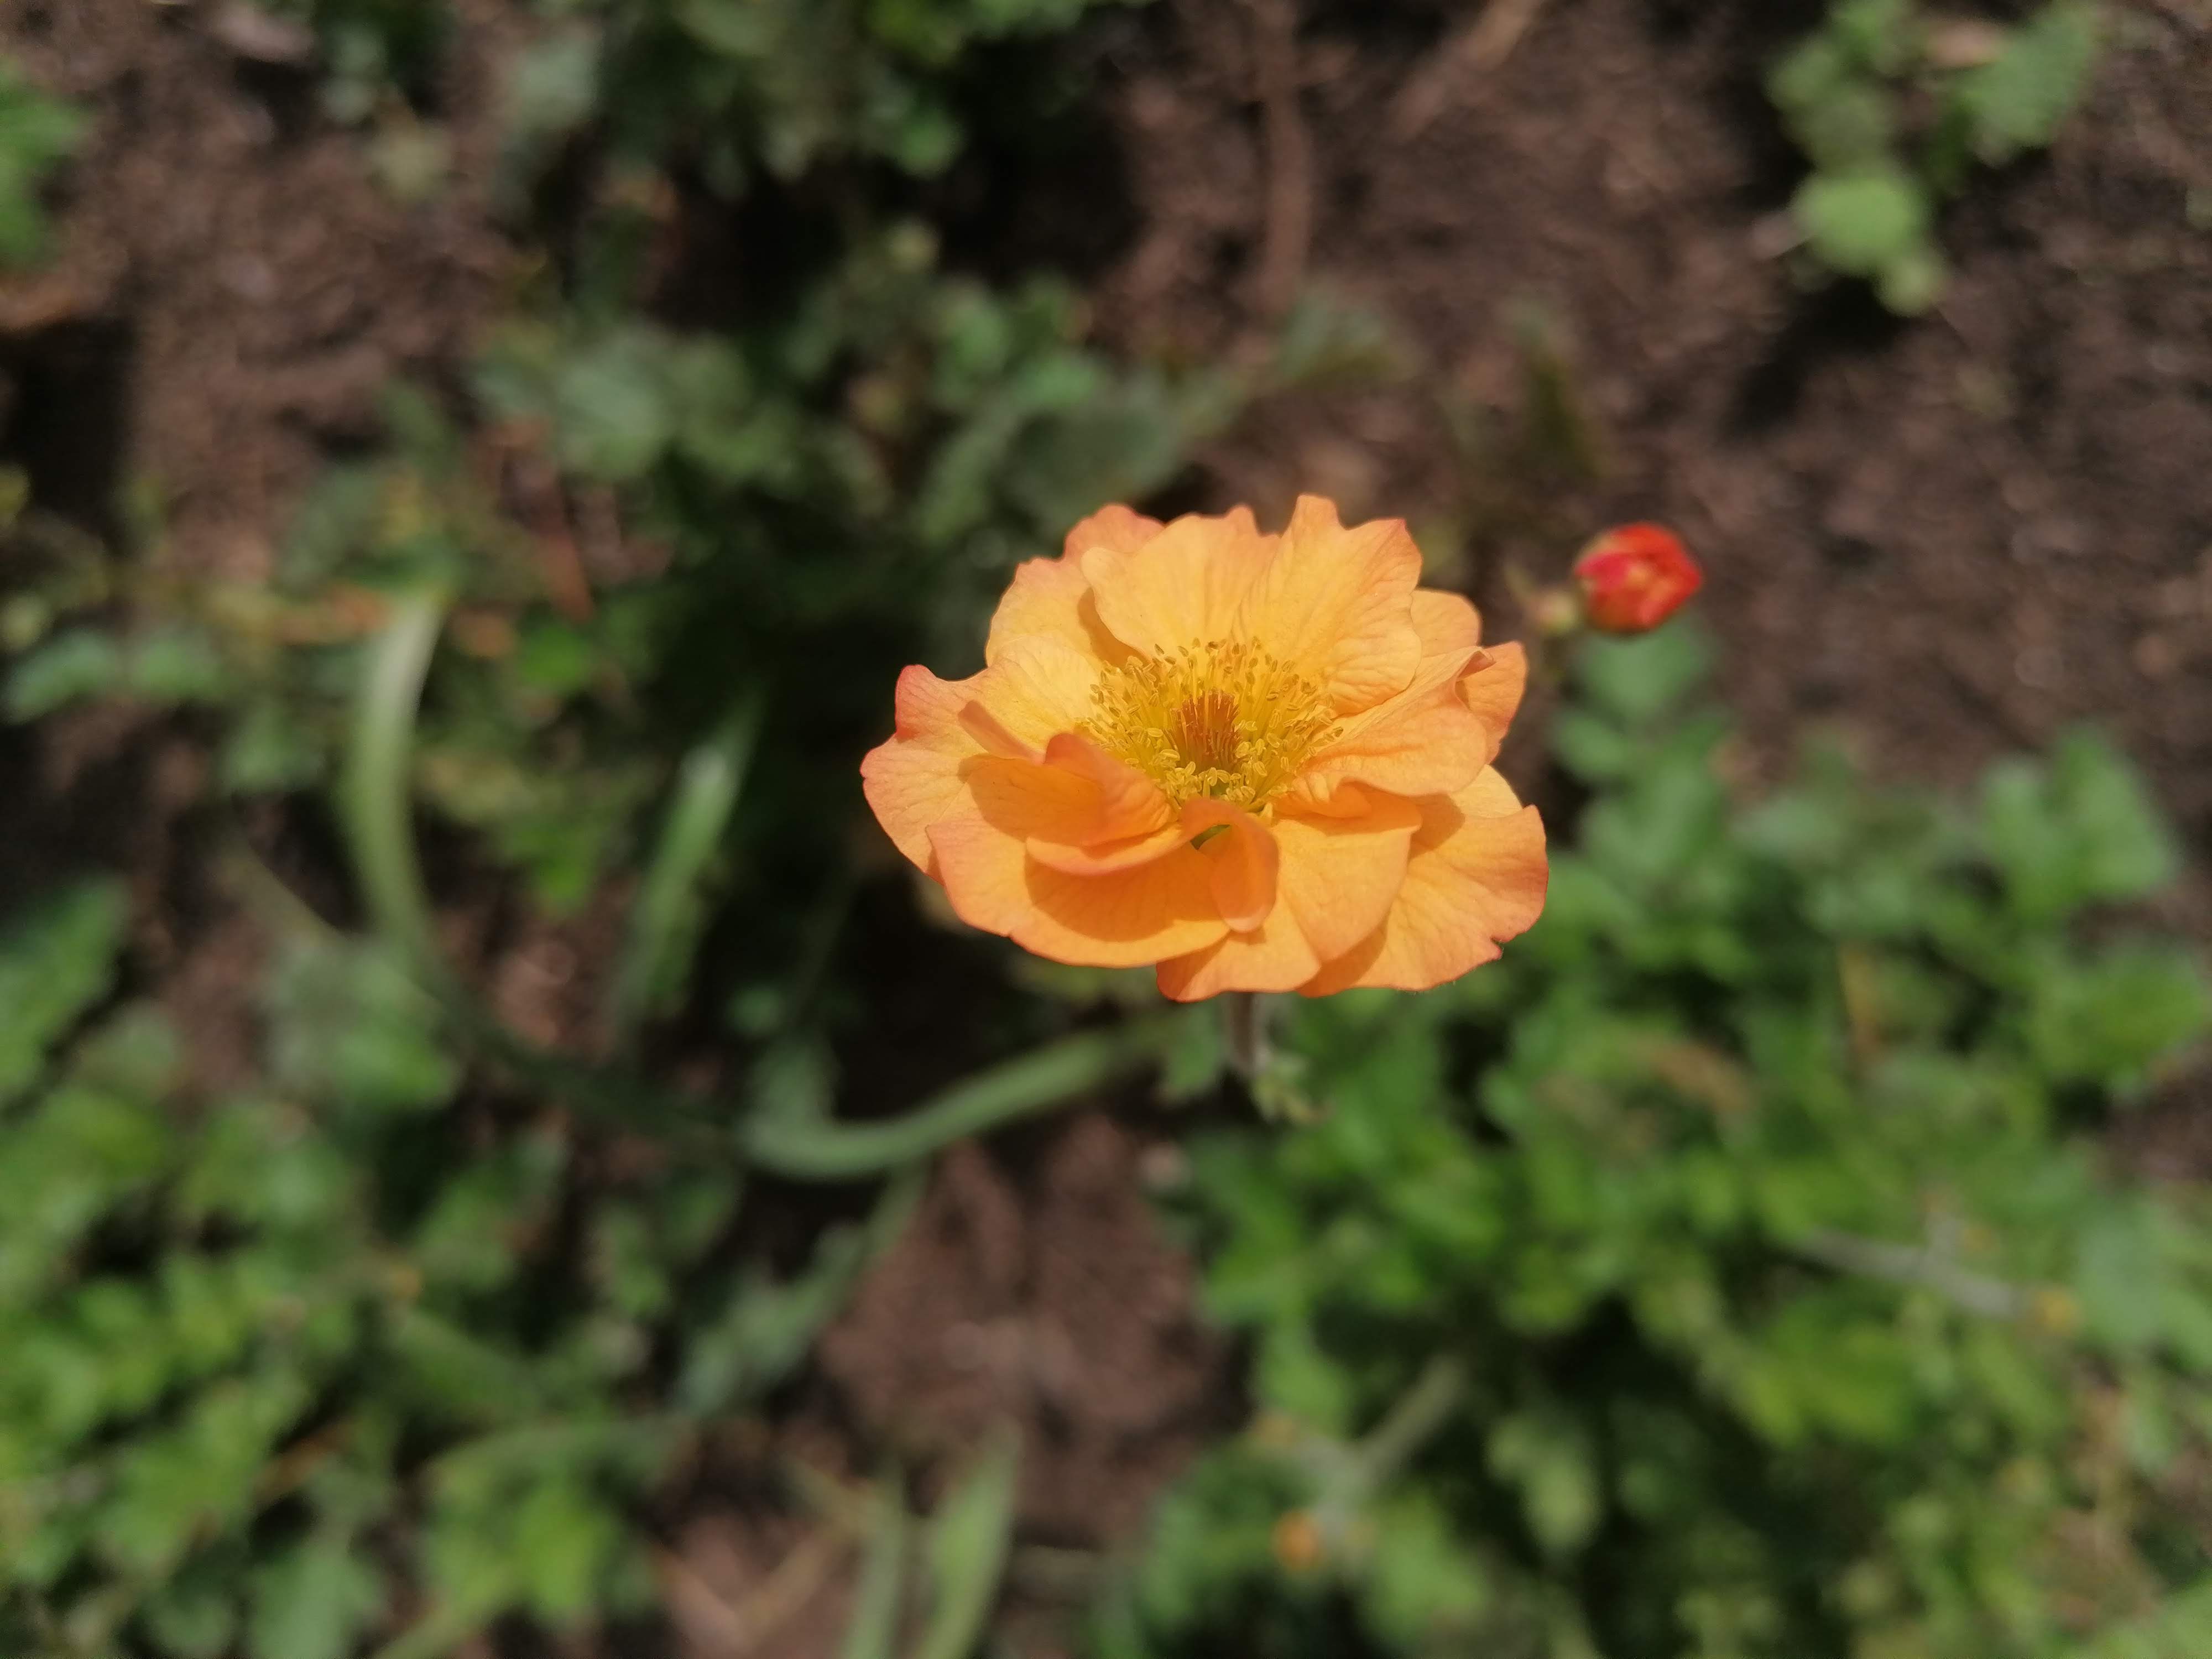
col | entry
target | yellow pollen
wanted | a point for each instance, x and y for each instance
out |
(1224, 720)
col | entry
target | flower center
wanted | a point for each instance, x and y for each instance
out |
(1224, 719)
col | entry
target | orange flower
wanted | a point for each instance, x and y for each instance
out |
(1635, 577)
(1261, 763)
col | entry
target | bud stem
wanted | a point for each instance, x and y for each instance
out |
(1245, 1029)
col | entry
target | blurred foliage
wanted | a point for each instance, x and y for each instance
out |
(281, 1362)
(1724, 1274)
(37, 133)
(1736, 1270)
(406, 1336)
(1895, 106)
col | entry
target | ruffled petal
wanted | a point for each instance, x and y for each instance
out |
(1051, 597)
(984, 872)
(1336, 604)
(1100, 858)
(1028, 801)
(1038, 688)
(1341, 872)
(1129, 802)
(1445, 621)
(1493, 691)
(1186, 586)
(1128, 919)
(1423, 741)
(913, 778)
(1121, 528)
(1277, 956)
(1130, 822)
(1243, 858)
(1476, 875)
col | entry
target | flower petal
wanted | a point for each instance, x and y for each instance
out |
(1039, 687)
(1028, 801)
(1129, 802)
(914, 777)
(1341, 872)
(1276, 958)
(1052, 597)
(1493, 691)
(1130, 822)
(1128, 919)
(1423, 741)
(1121, 528)
(1445, 621)
(1243, 858)
(1100, 858)
(1184, 587)
(1477, 875)
(1336, 604)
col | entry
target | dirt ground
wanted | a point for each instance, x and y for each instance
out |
(1950, 537)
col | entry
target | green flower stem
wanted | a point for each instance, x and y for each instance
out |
(1244, 1033)
(822, 1150)
(376, 803)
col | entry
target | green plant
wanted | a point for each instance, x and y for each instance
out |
(1733, 1271)
(1894, 109)
(406, 1337)
(37, 133)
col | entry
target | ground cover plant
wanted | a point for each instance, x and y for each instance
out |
(1736, 1274)
(1734, 1268)
(1895, 109)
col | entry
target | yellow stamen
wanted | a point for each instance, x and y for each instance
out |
(1224, 720)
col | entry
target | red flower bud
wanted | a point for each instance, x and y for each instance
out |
(1634, 577)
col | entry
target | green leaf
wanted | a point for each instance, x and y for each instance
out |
(2079, 829)
(56, 959)
(177, 665)
(349, 1027)
(1863, 222)
(1550, 1460)
(872, 1630)
(191, 1617)
(37, 133)
(1424, 1590)
(1643, 681)
(70, 667)
(2108, 1020)
(1913, 281)
(2018, 101)
(966, 1545)
(1880, 35)
(313, 1601)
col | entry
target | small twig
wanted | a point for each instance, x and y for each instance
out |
(1479, 48)
(1289, 237)
(1918, 1265)
(1410, 1424)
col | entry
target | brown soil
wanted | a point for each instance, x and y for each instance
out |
(1953, 536)
(233, 286)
